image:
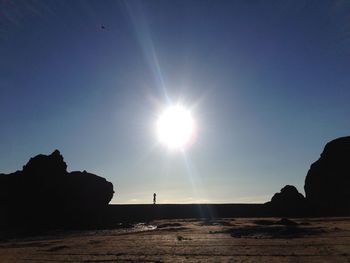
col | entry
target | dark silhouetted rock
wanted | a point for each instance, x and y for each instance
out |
(46, 165)
(44, 193)
(288, 202)
(327, 184)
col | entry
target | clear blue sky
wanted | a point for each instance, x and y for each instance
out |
(268, 82)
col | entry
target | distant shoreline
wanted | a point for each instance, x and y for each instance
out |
(139, 212)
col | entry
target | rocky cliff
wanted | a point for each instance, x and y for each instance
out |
(45, 193)
(327, 184)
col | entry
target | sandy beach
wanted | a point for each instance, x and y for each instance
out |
(193, 240)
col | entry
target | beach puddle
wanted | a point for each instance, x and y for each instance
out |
(140, 227)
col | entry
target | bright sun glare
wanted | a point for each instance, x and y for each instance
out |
(175, 127)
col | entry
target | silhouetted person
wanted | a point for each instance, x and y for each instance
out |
(154, 198)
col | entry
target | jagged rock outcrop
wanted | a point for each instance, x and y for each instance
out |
(46, 165)
(327, 184)
(44, 192)
(287, 202)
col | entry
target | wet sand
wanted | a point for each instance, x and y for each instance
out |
(193, 240)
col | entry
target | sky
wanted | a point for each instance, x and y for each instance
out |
(267, 83)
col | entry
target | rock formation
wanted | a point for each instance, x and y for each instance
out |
(287, 202)
(327, 184)
(45, 193)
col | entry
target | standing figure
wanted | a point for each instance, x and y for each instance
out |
(154, 198)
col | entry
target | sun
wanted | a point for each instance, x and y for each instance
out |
(175, 127)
